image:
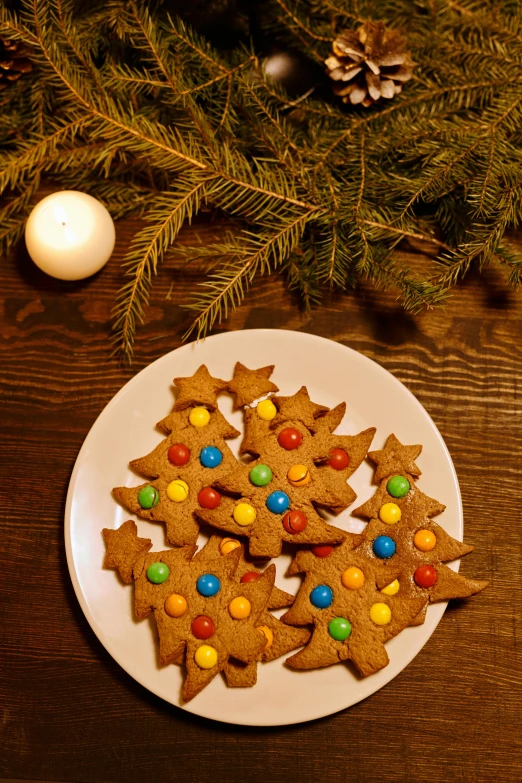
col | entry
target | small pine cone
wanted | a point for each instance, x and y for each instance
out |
(369, 63)
(13, 62)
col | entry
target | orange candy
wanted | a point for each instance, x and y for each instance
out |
(425, 540)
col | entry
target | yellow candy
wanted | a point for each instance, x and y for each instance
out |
(380, 614)
(199, 417)
(206, 656)
(228, 545)
(425, 540)
(178, 490)
(266, 410)
(175, 605)
(298, 476)
(390, 513)
(392, 588)
(352, 578)
(244, 514)
(268, 633)
(239, 607)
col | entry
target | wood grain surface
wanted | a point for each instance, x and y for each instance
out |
(67, 710)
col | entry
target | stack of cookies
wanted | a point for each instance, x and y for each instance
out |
(213, 607)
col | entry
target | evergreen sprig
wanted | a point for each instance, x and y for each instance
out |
(139, 109)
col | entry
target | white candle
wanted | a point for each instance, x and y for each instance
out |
(70, 235)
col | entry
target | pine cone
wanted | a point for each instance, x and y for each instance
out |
(13, 62)
(369, 63)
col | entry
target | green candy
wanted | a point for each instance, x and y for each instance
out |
(148, 497)
(157, 573)
(260, 475)
(339, 628)
(398, 486)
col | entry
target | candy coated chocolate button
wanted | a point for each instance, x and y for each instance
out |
(239, 607)
(266, 410)
(290, 438)
(339, 628)
(390, 513)
(352, 578)
(244, 514)
(384, 546)
(339, 459)
(380, 614)
(321, 597)
(425, 540)
(260, 475)
(392, 588)
(323, 550)
(178, 454)
(199, 417)
(294, 522)
(148, 497)
(278, 502)
(398, 486)
(202, 627)
(157, 573)
(268, 634)
(208, 585)
(425, 576)
(298, 476)
(250, 576)
(228, 545)
(210, 457)
(178, 490)
(175, 605)
(206, 656)
(209, 498)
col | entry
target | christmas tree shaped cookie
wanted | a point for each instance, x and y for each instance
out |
(280, 638)
(203, 614)
(185, 465)
(402, 535)
(342, 596)
(297, 469)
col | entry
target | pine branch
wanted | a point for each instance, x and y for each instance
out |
(146, 250)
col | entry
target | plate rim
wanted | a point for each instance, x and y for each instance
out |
(434, 609)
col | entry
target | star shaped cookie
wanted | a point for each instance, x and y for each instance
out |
(395, 458)
(298, 407)
(124, 548)
(199, 389)
(247, 385)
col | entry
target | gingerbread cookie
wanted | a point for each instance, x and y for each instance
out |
(202, 613)
(275, 497)
(184, 466)
(280, 638)
(342, 596)
(402, 536)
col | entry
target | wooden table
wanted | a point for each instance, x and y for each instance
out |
(69, 713)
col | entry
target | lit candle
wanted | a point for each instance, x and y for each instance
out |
(70, 235)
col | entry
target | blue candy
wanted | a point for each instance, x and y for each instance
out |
(321, 597)
(278, 502)
(208, 585)
(210, 457)
(384, 546)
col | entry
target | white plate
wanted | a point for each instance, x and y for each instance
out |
(125, 430)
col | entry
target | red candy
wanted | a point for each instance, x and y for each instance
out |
(178, 454)
(202, 627)
(425, 576)
(339, 459)
(209, 498)
(250, 576)
(324, 550)
(290, 438)
(294, 522)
